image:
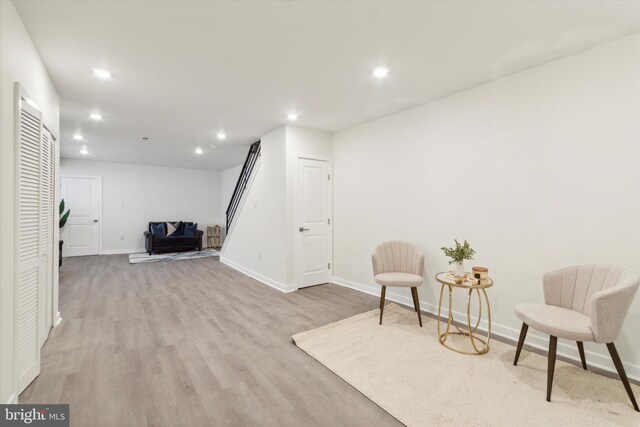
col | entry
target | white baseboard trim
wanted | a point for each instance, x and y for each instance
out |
(122, 251)
(259, 277)
(534, 339)
(13, 399)
(57, 320)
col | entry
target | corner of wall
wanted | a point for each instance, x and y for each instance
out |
(256, 242)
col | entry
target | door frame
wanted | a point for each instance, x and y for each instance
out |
(296, 253)
(99, 178)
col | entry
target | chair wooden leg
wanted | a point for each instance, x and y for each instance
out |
(416, 304)
(413, 297)
(582, 358)
(553, 344)
(623, 376)
(384, 290)
(523, 334)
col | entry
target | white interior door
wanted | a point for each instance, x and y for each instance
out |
(47, 174)
(83, 196)
(313, 247)
(28, 245)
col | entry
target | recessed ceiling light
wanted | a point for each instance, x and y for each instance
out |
(221, 135)
(198, 150)
(103, 74)
(293, 117)
(95, 116)
(83, 150)
(78, 137)
(381, 72)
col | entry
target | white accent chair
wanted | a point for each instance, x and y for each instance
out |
(398, 264)
(583, 303)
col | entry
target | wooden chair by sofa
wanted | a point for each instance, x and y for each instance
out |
(584, 303)
(398, 264)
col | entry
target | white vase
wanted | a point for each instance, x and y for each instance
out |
(458, 268)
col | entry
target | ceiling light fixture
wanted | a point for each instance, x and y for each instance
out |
(78, 137)
(221, 135)
(95, 116)
(293, 117)
(103, 74)
(83, 150)
(381, 72)
(198, 150)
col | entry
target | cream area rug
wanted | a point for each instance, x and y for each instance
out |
(404, 369)
(171, 256)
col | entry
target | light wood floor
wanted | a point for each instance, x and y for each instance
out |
(193, 343)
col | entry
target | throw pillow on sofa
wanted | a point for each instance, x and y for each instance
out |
(174, 229)
(158, 230)
(191, 229)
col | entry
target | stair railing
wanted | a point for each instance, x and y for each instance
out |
(243, 180)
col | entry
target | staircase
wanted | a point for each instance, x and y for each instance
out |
(243, 180)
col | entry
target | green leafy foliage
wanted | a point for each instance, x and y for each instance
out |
(459, 252)
(64, 216)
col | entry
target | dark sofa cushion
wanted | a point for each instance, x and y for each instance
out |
(158, 229)
(191, 229)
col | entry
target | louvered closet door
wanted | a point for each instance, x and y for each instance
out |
(28, 224)
(46, 236)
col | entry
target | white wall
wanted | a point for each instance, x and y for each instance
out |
(261, 242)
(538, 171)
(19, 62)
(256, 243)
(229, 180)
(134, 195)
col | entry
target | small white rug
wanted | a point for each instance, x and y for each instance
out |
(404, 369)
(171, 256)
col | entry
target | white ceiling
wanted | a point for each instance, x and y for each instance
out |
(183, 70)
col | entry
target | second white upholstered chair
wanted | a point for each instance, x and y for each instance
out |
(398, 264)
(584, 303)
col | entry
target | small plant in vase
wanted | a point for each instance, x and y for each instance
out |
(458, 254)
(64, 216)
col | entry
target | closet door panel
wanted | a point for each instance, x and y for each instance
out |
(28, 242)
(53, 262)
(46, 238)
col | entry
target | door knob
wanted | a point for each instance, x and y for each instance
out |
(95, 220)
(301, 229)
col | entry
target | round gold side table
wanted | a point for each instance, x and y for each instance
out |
(480, 346)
